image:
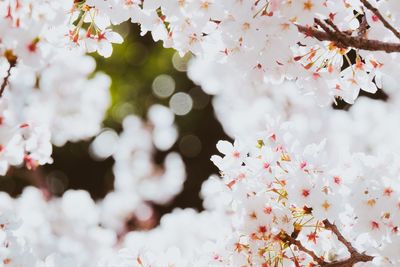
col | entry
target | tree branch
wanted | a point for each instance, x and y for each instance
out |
(355, 256)
(12, 60)
(5, 79)
(334, 27)
(341, 36)
(292, 241)
(343, 40)
(339, 235)
(362, 30)
(349, 262)
(377, 13)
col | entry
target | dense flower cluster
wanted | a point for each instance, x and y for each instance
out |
(46, 95)
(244, 34)
(281, 194)
(374, 129)
(278, 203)
(137, 179)
(77, 228)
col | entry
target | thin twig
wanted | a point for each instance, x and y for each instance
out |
(297, 243)
(6, 78)
(338, 34)
(377, 13)
(323, 26)
(330, 23)
(362, 30)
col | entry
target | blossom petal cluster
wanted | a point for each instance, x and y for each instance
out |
(46, 93)
(277, 202)
(247, 34)
(76, 229)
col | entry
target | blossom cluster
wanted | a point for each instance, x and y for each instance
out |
(246, 34)
(41, 38)
(46, 93)
(368, 126)
(280, 194)
(277, 203)
(75, 229)
(137, 180)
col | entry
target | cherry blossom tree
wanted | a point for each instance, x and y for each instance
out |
(302, 184)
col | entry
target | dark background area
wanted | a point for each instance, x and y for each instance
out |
(133, 67)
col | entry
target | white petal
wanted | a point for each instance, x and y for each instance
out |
(224, 147)
(114, 37)
(105, 48)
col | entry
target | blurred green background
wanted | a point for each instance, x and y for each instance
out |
(137, 68)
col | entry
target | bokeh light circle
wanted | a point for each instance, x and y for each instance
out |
(181, 103)
(163, 86)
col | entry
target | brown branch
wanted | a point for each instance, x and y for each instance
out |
(336, 29)
(377, 13)
(349, 262)
(362, 30)
(339, 235)
(355, 256)
(5, 79)
(349, 41)
(330, 32)
(330, 23)
(292, 241)
(12, 60)
(338, 34)
(323, 26)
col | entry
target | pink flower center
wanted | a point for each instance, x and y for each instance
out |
(305, 192)
(374, 225)
(236, 154)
